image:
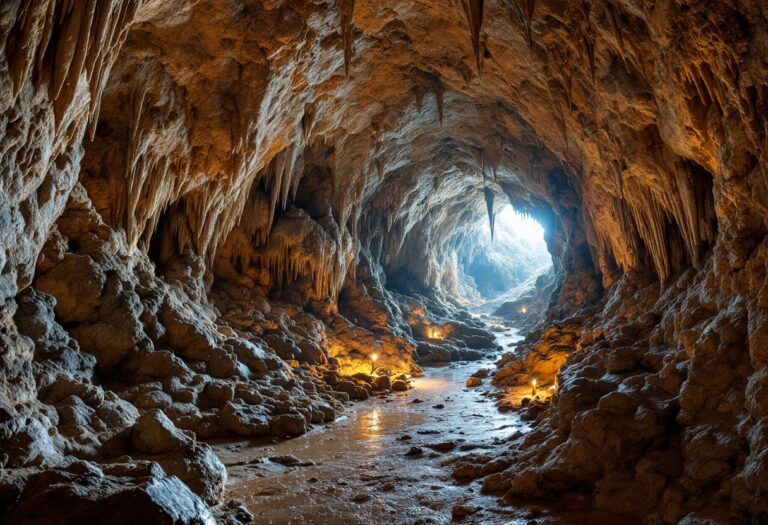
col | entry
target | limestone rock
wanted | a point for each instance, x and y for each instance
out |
(154, 433)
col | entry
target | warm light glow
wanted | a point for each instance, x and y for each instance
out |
(523, 309)
(533, 383)
(434, 333)
(374, 357)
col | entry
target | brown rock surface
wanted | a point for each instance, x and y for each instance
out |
(195, 194)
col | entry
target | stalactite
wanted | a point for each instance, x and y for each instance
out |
(298, 247)
(567, 79)
(419, 97)
(62, 42)
(32, 33)
(490, 158)
(473, 9)
(615, 17)
(307, 121)
(651, 220)
(347, 12)
(618, 177)
(465, 72)
(439, 99)
(589, 46)
(489, 196)
(528, 7)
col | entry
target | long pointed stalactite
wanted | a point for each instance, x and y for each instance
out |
(347, 13)
(473, 10)
(489, 196)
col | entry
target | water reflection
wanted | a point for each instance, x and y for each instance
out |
(357, 471)
(361, 473)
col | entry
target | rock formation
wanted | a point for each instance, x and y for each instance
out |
(213, 214)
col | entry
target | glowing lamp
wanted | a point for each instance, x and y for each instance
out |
(523, 310)
(434, 333)
(374, 357)
(533, 387)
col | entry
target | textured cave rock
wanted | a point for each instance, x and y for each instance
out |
(216, 212)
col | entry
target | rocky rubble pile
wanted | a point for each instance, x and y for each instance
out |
(131, 369)
(657, 414)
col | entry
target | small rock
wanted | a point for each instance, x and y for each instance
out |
(459, 512)
(399, 386)
(445, 446)
(288, 425)
(361, 497)
(439, 406)
(415, 451)
(382, 384)
(287, 460)
(236, 510)
(474, 381)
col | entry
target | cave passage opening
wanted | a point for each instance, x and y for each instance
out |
(504, 266)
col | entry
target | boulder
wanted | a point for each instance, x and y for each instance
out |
(154, 433)
(120, 494)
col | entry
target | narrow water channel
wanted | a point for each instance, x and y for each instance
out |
(358, 470)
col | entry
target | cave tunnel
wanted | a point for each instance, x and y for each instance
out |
(365, 261)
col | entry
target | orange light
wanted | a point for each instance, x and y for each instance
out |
(434, 333)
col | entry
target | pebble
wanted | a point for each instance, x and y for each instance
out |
(445, 446)
(460, 512)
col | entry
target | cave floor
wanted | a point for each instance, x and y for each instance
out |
(358, 470)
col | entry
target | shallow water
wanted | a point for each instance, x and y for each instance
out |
(355, 470)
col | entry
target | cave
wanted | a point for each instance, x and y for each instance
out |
(256, 261)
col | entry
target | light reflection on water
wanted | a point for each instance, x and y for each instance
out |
(362, 455)
(361, 474)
